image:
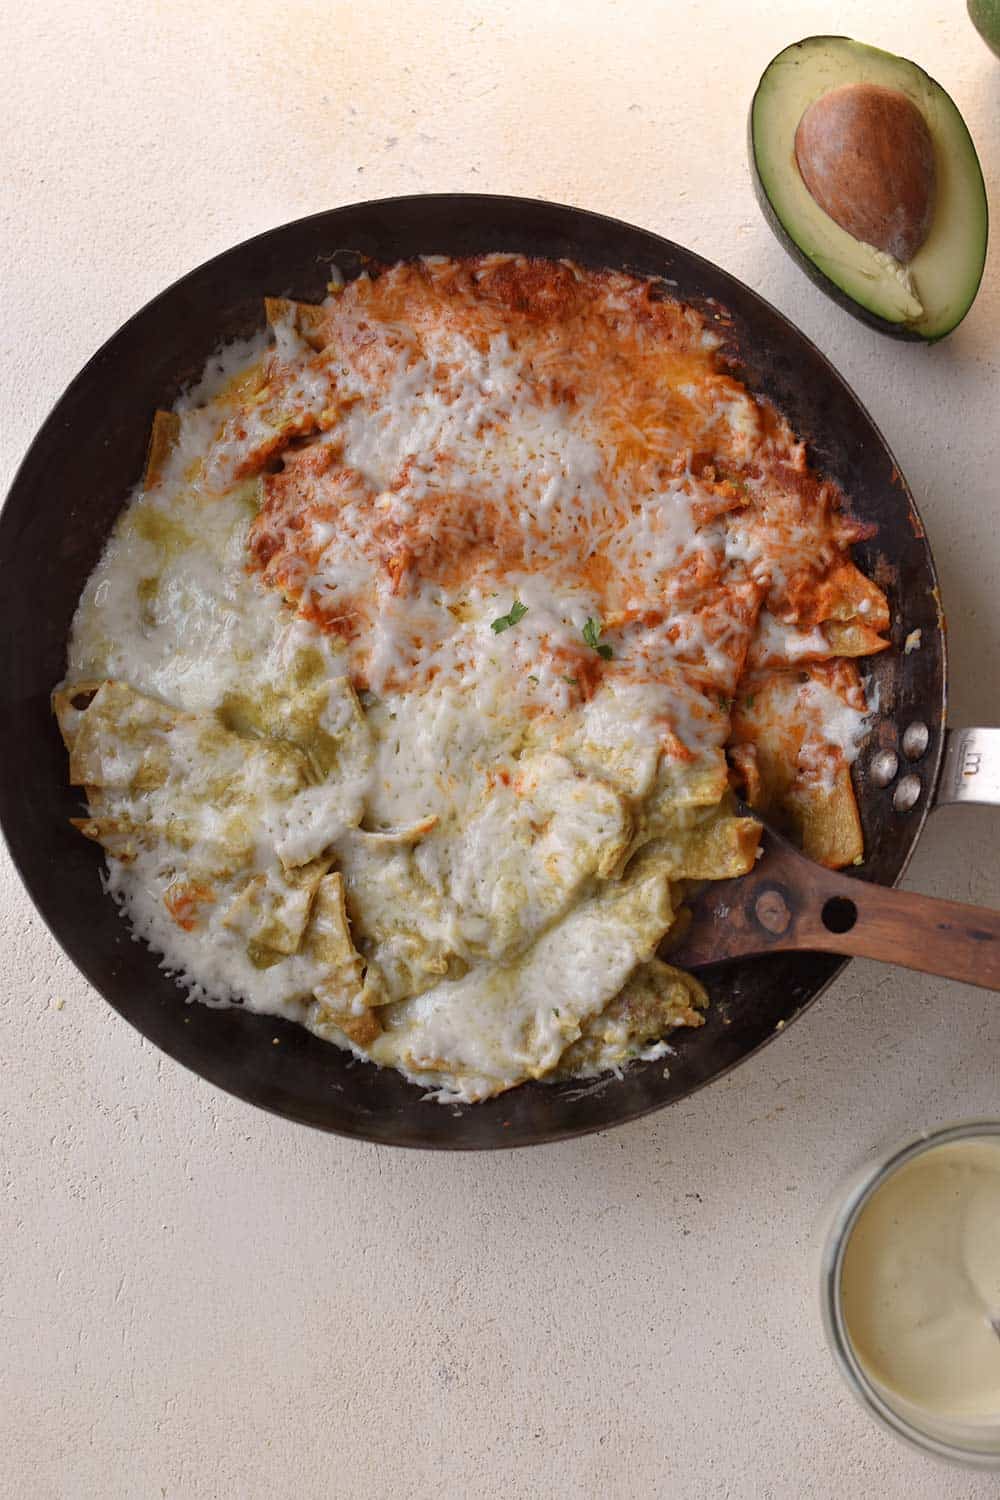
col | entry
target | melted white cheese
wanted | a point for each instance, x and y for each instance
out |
(524, 786)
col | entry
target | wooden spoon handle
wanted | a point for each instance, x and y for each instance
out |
(788, 902)
(898, 927)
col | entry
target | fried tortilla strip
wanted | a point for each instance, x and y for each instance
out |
(119, 836)
(603, 743)
(549, 832)
(121, 738)
(69, 704)
(827, 821)
(322, 719)
(163, 435)
(396, 915)
(394, 838)
(780, 646)
(155, 775)
(184, 900)
(362, 1030)
(771, 760)
(846, 594)
(244, 385)
(326, 725)
(682, 784)
(347, 995)
(824, 820)
(719, 849)
(532, 1009)
(290, 398)
(657, 999)
(683, 795)
(248, 442)
(273, 911)
(792, 775)
(305, 317)
(348, 987)
(853, 637)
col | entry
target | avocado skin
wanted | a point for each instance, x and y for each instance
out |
(843, 299)
(985, 17)
(901, 331)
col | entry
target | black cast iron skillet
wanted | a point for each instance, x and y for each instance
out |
(90, 452)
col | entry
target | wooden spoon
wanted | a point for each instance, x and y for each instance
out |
(787, 902)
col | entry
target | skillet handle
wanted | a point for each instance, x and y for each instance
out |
(970, 768)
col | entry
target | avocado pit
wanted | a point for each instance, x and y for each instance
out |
(866, 155)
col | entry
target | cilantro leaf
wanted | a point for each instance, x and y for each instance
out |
(517, 612)
(592, 636)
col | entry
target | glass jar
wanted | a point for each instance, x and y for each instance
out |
(969, 1442)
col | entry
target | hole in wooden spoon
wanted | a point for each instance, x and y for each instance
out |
(839, 914)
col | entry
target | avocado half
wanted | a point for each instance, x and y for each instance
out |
(931, 295)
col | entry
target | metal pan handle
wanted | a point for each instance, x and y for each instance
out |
(970, 768)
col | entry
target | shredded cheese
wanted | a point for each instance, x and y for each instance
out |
(524, 511)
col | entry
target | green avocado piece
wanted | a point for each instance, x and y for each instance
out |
(985, 17)
(931, 295)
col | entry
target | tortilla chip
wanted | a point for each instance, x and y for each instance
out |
(273, 911)
(342, 990)
(119, 736)
(719, 848)
(361, 1030)
(827, 821)
(163, 435)
(306, 318)
(853, 638)
(656, 1000)
(533, 1008)
(394, 838)
(324, 720)
(846, 594)
(681, 797)
(118, 836)
(183, 898)
(69, 704)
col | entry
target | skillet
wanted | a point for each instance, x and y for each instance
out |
(90, 453)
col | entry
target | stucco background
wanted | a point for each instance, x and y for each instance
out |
(201, 1301)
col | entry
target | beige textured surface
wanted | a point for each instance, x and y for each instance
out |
(200, 1301)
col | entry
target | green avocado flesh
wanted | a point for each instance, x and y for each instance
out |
(930, 296)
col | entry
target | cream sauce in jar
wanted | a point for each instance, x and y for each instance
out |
(920, 1284)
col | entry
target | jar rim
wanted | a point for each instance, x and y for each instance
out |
(862, 1188)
